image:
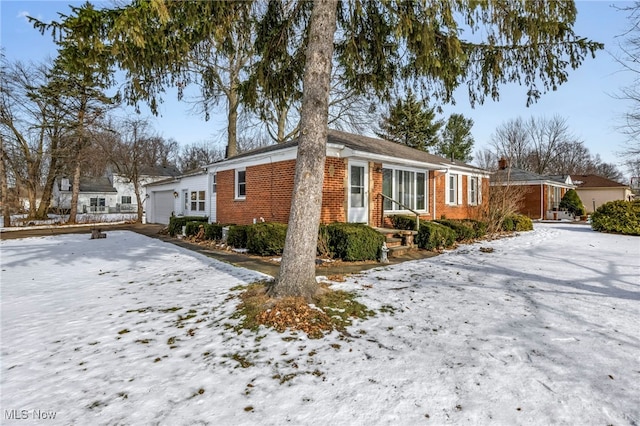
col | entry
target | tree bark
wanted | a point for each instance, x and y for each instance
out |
(75, 192)
(6, 213)
(297, 269)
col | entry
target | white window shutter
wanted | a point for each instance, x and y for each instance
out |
(479, 190)
(459, 189)
(446, 189)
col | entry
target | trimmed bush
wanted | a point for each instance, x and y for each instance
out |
(213, 231)
(432, 236)
(266, 239)
(407, 223)
(522, 223)
(177, 222)
(479, 227)
(572, 203)
(464, 231)
(508, 225)
(354, 242)
(237, 236)
(192, 228)
(618, 217)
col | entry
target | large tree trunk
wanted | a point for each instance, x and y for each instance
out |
(232, 117)
(47, 191)
(297, 270)
(136, 189)
(75, 192)
(6, 213)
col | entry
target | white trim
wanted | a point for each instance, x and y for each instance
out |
(365, 196)
(236, 182)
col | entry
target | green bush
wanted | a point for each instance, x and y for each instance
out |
(324, 249)
(192, 227)
(464, 231)
(479, 227)
(354, 242)
(213, 231)
(266, 239)
(403, 222)
(433, 236)
(572, 203)
(619, 217)
(237, 236)
(177, 222)
(517, 222)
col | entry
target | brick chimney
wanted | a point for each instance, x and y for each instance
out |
(502, 163)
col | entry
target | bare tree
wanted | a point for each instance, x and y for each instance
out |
(547, 136)
(511, 140)
(197, 155)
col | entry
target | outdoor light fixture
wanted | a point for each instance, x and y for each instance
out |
(175, 194)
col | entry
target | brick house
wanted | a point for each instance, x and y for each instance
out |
(257, 185)
(542, 194)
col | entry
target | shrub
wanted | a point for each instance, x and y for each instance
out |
(266, 239)
(619, 217)
(517, 222)
(464, 231)
(572, 203)
(192, 227)
(324, 249)
(213, 231)
(237, 236)
(433, 236)
(354, 242)
(403, 222)
(479, 227)
(177, 222)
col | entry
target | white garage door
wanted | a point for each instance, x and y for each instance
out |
(163, 203)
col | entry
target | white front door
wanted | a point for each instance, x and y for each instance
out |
(185, 202)
(214, 199)
(358, 192)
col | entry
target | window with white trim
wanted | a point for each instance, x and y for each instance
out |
(126, 199)
(452, 189)
(474, 191)
(241, 183)
(214, 186)
(408, 187)
(197, 201)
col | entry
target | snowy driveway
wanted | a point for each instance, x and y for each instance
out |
(131, 330)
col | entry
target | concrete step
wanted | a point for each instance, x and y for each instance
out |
(399, 251)
(393, 242)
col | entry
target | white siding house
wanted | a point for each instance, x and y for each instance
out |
(187, 195)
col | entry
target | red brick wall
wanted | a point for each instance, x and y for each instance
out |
(269, 189)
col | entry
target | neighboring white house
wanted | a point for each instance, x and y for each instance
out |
(112, 194)
(184, 195)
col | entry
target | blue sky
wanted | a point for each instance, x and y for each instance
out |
(587, 100)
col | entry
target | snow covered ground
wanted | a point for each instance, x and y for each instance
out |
(131, 330)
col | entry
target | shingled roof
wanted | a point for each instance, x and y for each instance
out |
(368, 145)
(518, 175)
(595, 181)
(99, 184)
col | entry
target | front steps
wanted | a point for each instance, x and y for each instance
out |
(399, 242)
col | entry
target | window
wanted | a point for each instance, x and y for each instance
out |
(214, 186)
(197, 201)
(452, 193)
(97, 204)
(404, 186)
(241, 184)
(126, 199)
(473, 190)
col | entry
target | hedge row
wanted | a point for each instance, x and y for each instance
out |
(346, 241)
(177, 222)
(441, 233)
(517, 222)
(618, 217)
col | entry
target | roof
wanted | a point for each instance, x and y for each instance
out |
(96, 184)
(160, 170)
(595, 181)
(369, 145)
(514, 174)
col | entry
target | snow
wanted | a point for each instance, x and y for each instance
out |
(543, 330)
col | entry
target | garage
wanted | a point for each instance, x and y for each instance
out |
(163, 205)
